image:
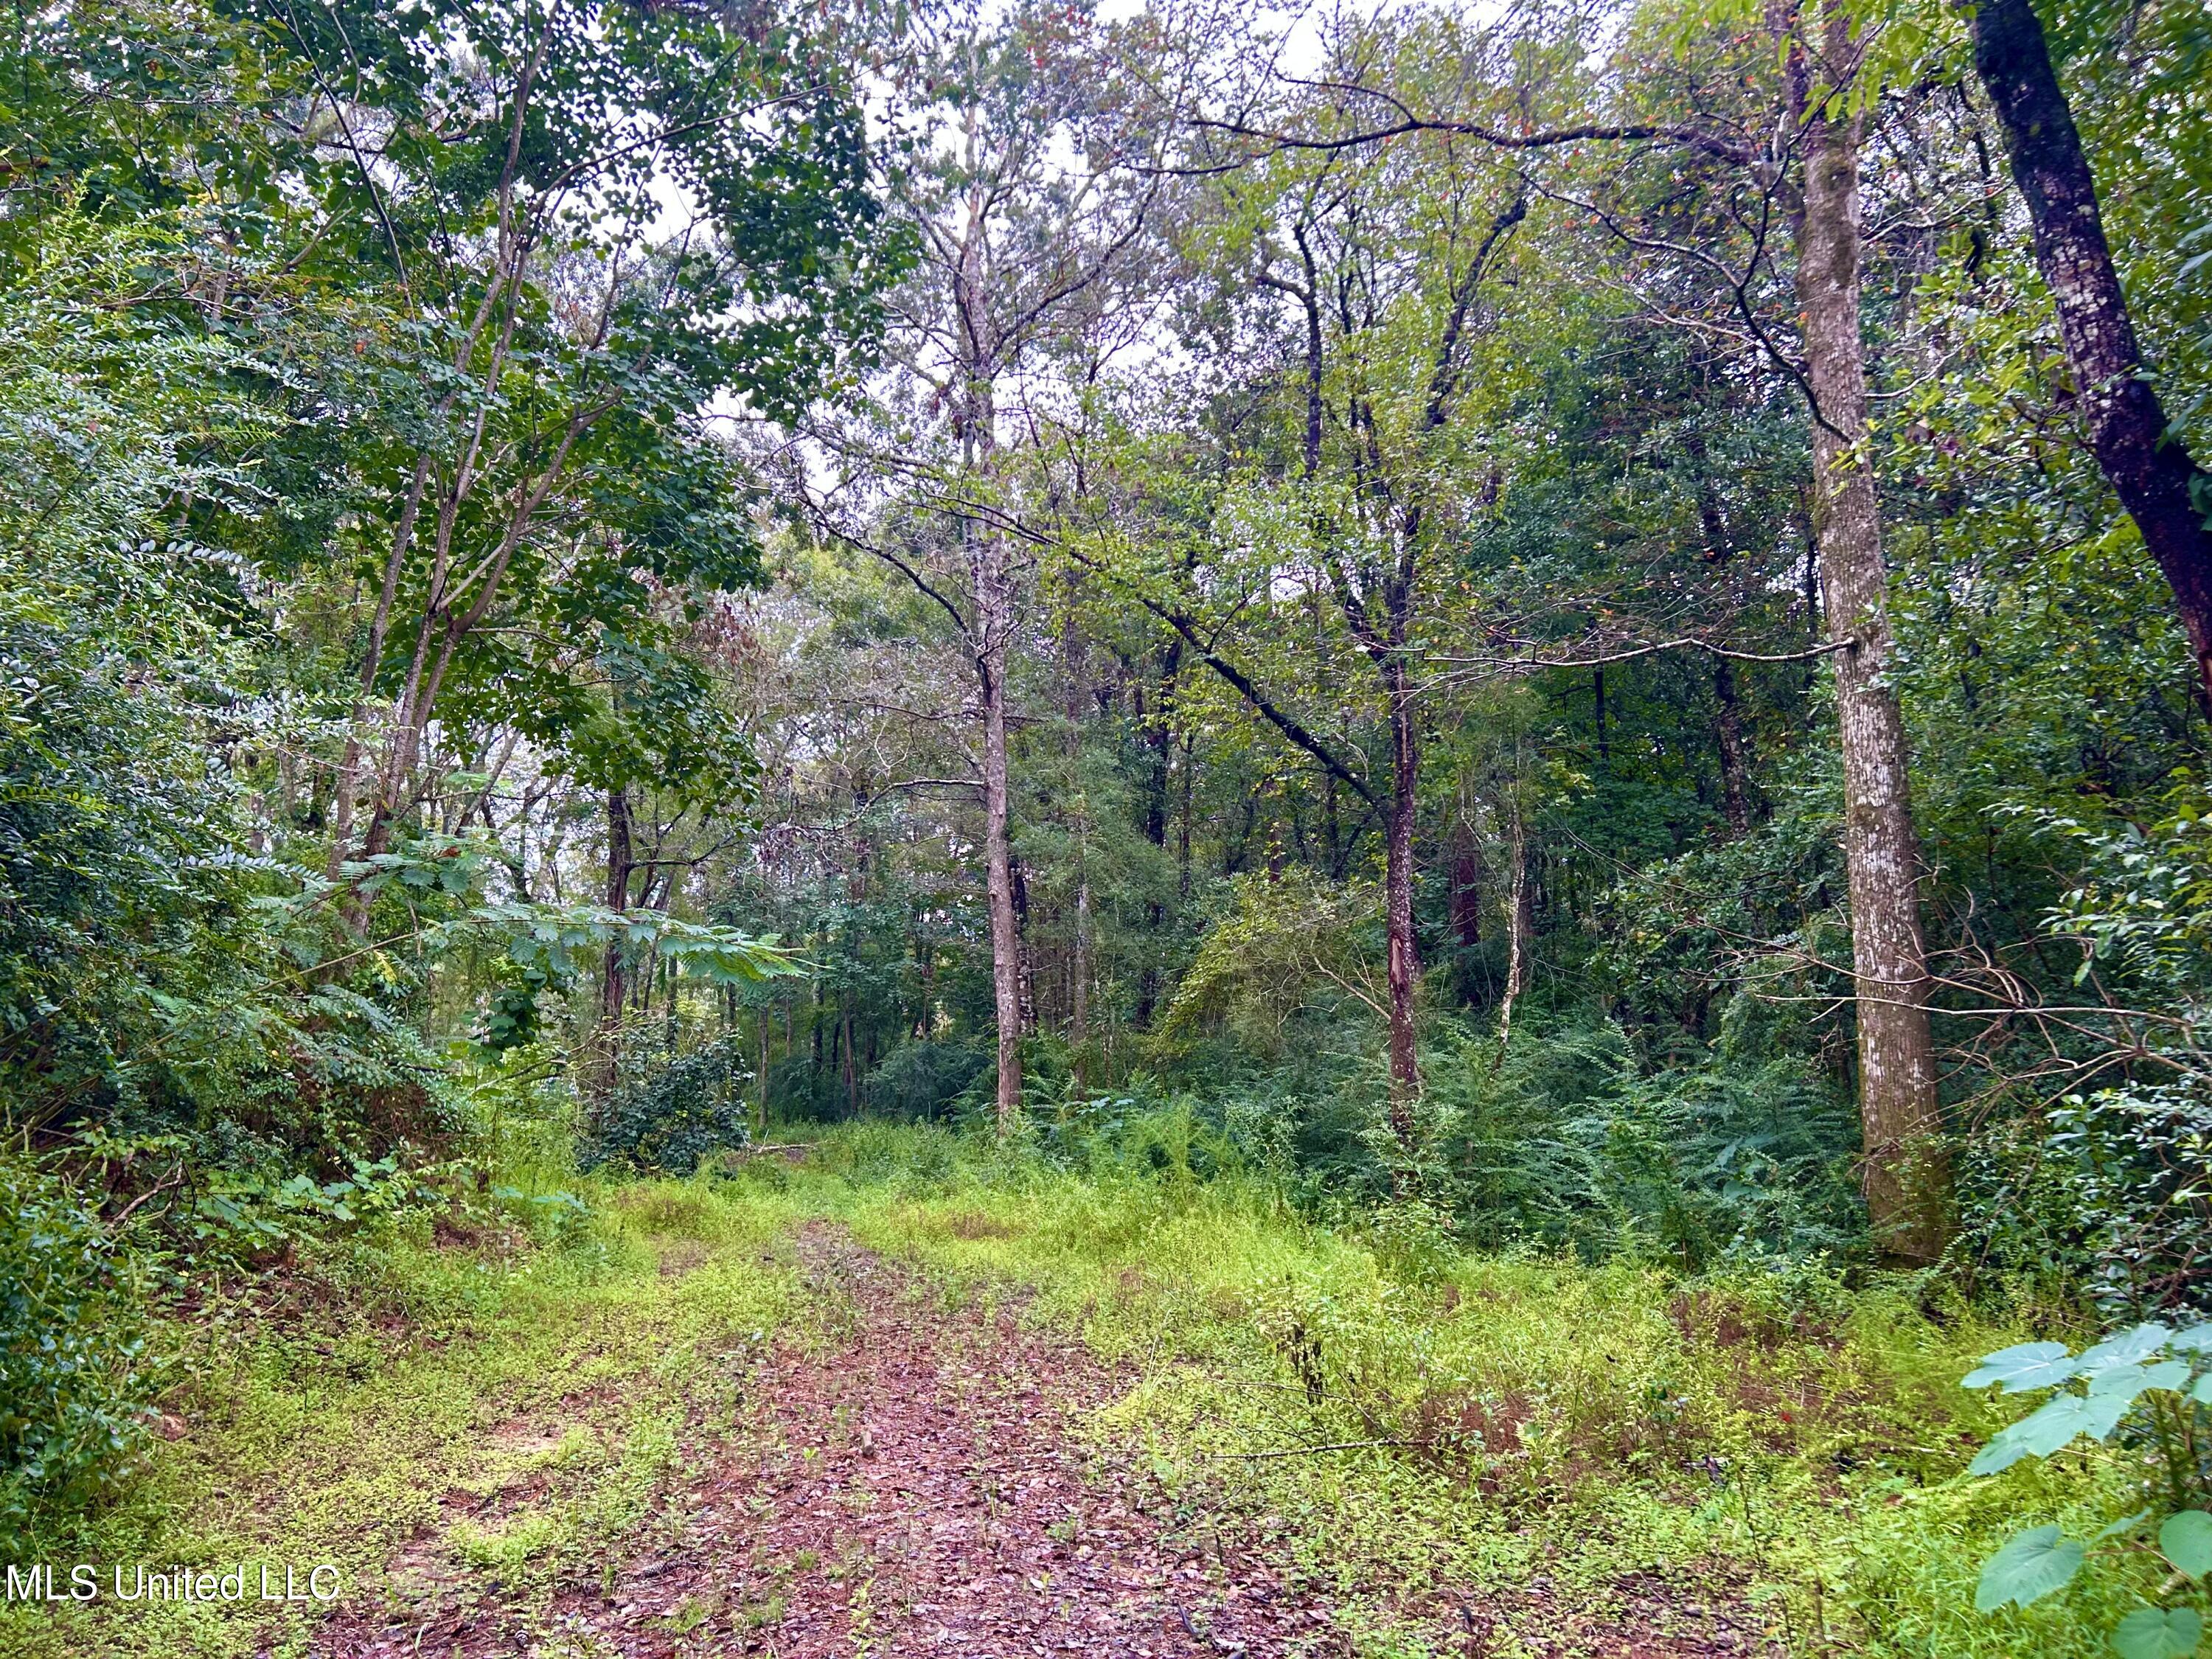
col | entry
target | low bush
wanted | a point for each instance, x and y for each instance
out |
(669, 1117)
(73, 1384)
(922, 1079)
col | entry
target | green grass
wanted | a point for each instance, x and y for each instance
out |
(520, 1407)
(522, 1412)
(1585, 1423)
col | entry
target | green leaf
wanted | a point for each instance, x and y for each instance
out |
(2031, 1565)
(2058, 1423)
(2024, 1365)
(2185, 1540)
(2128, 1348)
(2132, 1380)
(2159, 1633)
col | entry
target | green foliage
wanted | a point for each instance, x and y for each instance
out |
(1564, 1140)
(671, 1115)
(921, 1079)
(1285, 944)
(534, 1350)
(74, 1375)
(2031, 1564)
(2152, 1385)
(1492, 1415)
(250, 1212)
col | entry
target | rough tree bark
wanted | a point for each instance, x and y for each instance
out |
(1516, 932)
(993, 614)
(1076, 666)
(1906, 1173)
(615, 975)
(1403, 968)
(989, 630)
(2167, 494)
(1383, 640)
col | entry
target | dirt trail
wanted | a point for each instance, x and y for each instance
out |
(919, 1488)
(951, 1511)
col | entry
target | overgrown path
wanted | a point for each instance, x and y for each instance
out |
(914, 1485)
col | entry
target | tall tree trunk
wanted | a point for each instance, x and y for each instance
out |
(852, 1060)
(1183, 819)
(1516, 931)
(1906, 1172)
(1720, 551)
(351, 761)
(1467, 876)
(1403, 965)
(760, 1107)
(991, 642)
(614, 975)
(2167, 494)
(1159, 741)
(997, 846)
(1735, 795)
(1075, 664)
(1079, 995)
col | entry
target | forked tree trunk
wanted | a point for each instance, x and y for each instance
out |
(2167, 494)
(1906, 1171)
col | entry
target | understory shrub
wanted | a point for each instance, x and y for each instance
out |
(73, 1386)
(922, 1079)
(668, 1116)
(2150, 1389)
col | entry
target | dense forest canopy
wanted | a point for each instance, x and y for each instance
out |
(1588, 621)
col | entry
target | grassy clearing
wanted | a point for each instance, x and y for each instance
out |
(1580, 1423)
(478, 1418)
(498, 1405)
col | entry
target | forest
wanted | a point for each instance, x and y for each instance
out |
(1151, 828)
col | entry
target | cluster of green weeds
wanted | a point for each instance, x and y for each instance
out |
(450, 1410)
(443, 1409)
(1783, 1440)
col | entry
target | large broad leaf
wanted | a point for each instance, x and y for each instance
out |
(2197, 1339)
(2159, 1633)
(2031, 1564)
(2024, 1365)
(2128, 1348)
(2185, 1540)
(2132, 1380)
(2056, 1424)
